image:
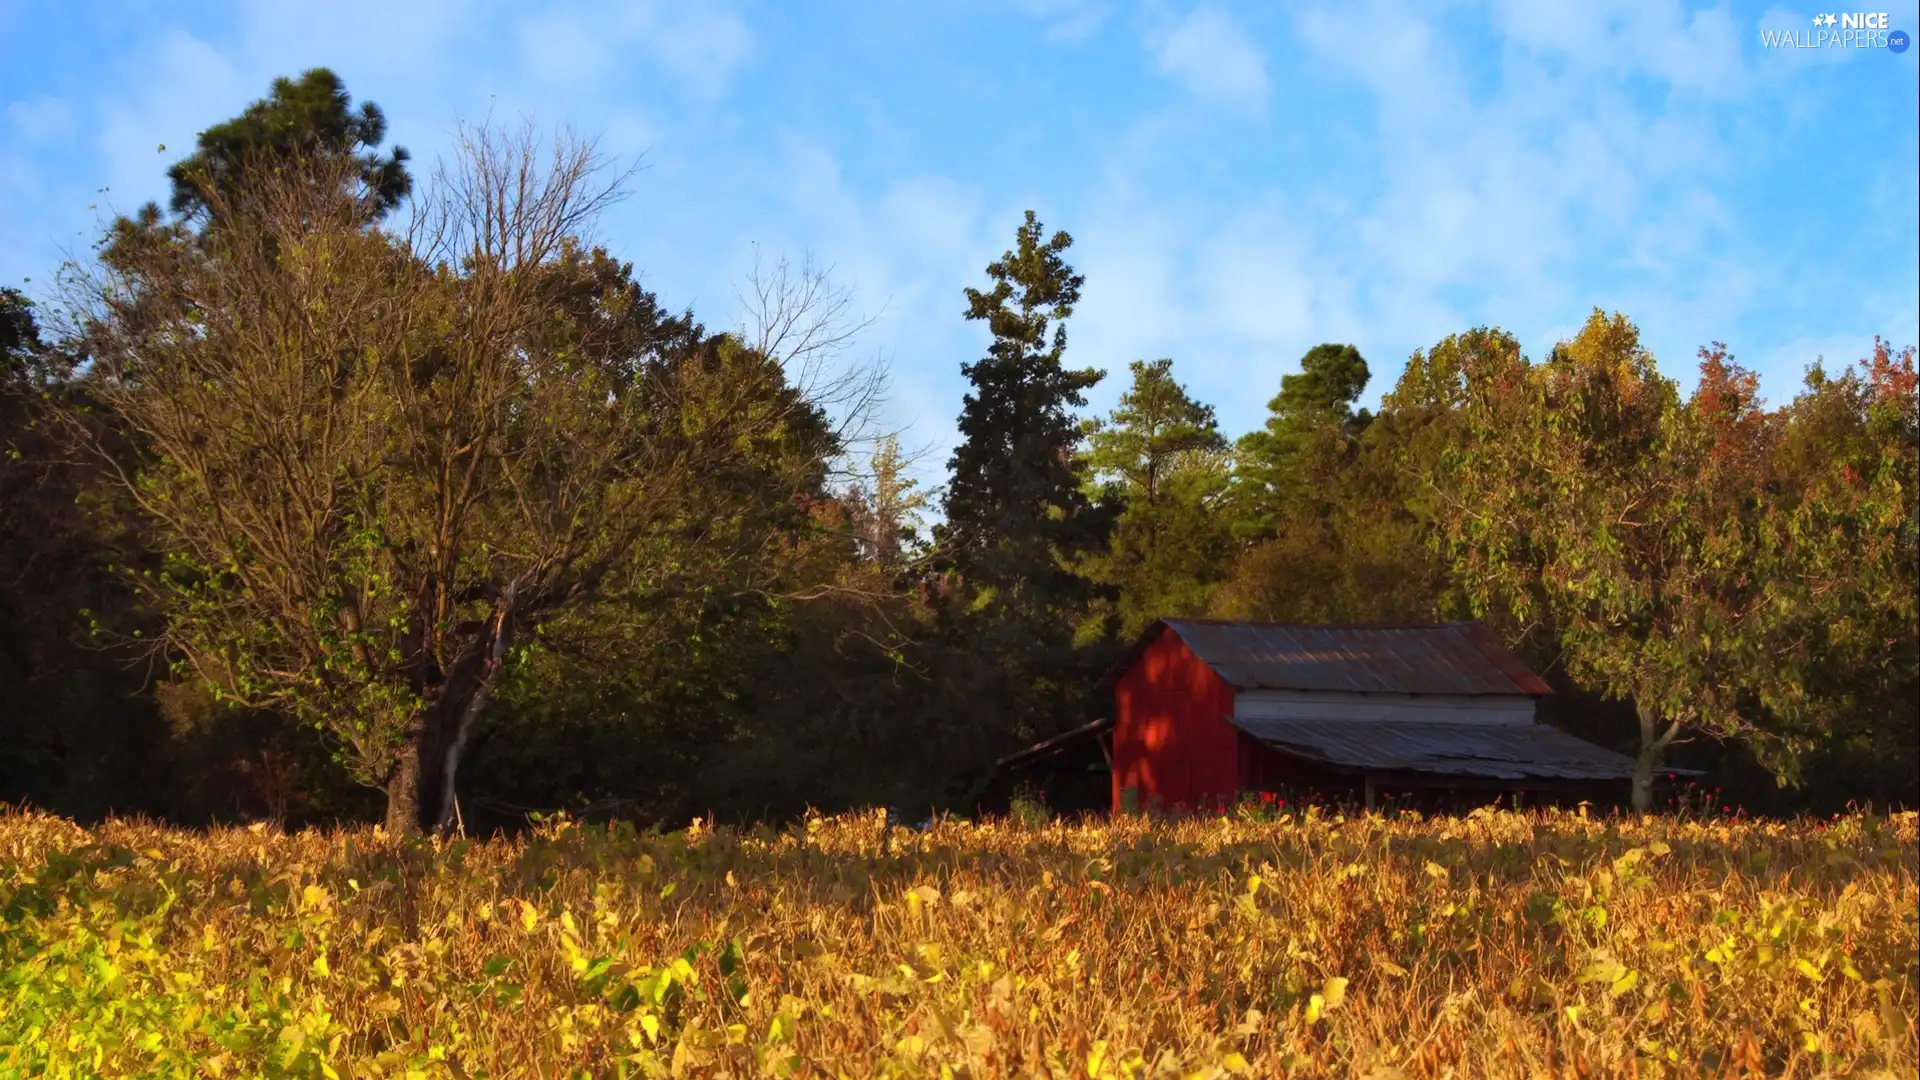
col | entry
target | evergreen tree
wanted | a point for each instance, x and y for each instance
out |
(1321, 396)
(309, 115)
(1014, 507)
(1154, 427)
(1161, 456)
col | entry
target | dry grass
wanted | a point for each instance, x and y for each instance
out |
(1501, 944)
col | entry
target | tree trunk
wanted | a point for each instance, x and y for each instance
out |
(403, 791)
(461, 723)
(1653, 745)
(420, 790)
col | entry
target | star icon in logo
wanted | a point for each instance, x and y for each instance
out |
(1819, 20)
(1830, 20)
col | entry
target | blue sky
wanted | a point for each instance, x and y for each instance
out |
(1242, 180)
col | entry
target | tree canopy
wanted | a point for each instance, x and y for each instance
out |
(306, 504)
(309, 117)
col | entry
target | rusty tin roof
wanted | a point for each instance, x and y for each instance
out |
(1496, 751)
(1438, 658)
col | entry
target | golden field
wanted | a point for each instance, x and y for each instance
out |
(1498, 944)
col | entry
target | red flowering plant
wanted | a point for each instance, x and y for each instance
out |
(1260, 806)
(1696, 801)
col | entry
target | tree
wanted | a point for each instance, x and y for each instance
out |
(1014, 508)
(1349, 547)
(885, 519)
(300, 119)
(1588, 502)
(76, 734)
(1841, 550)
(380, 465)
(1155, 425)
(1159, 455)
(1320, 396)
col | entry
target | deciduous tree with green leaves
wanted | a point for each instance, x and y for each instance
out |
(1588, 500)
(380, 463)
(1841, 551)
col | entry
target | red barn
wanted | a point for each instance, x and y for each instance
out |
(1204, 711)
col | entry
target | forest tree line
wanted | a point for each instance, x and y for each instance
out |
(336, 491)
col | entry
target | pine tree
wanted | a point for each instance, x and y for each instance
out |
(1320, 397)
(309, 115)
(1014, 506)
(1160, 455)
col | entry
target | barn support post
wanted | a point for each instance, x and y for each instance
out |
(1368, 781)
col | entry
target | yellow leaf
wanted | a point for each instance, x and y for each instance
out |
(529, 918)
(1236, 1064)
(1435, 871)
(1096, 1057)
(1335, 992)
(320, 966)
(1809, 970)
(1316, 1005)
(1391, 968)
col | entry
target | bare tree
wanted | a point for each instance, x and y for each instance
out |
(378, 461)
(805, 322)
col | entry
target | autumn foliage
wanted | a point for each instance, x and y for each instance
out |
(1499, 944)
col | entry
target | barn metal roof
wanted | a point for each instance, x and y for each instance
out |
(1495, 751)
(1443, 658)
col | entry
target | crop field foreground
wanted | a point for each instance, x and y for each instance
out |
(1499, 944)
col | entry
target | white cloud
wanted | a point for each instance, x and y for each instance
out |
(703, 47)
(188, 85)
(1214, 58)
(1133, 306)
(1689, 51)
(1234, 298)
(40, 119)
(1500, 201)
(1576, 165)
(561, 47)
(698, 48)
(1067, 20)
(907, 249)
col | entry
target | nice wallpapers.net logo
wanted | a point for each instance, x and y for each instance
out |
(1846, 30)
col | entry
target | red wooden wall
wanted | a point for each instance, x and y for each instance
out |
(1171, 740)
